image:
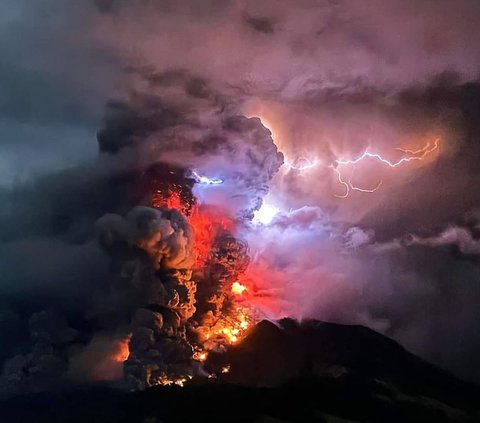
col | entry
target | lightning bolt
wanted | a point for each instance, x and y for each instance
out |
(414, 155)
(349, 186)
(341, 182)
(304, 164)
(419, 154)
(205, 180)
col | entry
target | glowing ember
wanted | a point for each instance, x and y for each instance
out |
(225, 369)
(173, 200)
(200, 356)
(236, 330)
(230, 329)
(238, 288)
(166, 381)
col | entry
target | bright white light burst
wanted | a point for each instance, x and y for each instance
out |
(265, 214)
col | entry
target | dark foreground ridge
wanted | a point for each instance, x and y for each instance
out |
(290, 372)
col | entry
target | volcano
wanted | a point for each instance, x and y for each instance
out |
(284, 371)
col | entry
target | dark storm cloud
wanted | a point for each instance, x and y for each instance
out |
(50, 257)
(51, 262)
(447, 190)
(432, 300)
(260, 24)
(332, 76)
(315, 45)
(50, 71)
(54, 83)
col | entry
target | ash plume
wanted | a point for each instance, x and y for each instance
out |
(234, 91)
(148, 153)
(153, 251)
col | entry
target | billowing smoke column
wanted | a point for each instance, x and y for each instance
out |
(175, 256)
(154, 251)
(340, 84)
(180, 169)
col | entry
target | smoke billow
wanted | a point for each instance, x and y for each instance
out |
(170, 267)
(133, 249)
(153, 252)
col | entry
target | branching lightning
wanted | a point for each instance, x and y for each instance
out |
(349, 185)
(419, 154)
(304, 164)
(413, 155)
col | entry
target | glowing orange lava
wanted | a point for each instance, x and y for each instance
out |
(230, 329)
(200, 356)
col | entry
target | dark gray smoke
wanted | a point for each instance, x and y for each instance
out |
(152, 251)
(329, 78)
(138, 289)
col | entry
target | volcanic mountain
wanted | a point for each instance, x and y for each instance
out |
(281, 372)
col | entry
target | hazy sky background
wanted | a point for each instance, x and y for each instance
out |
(329, 78)
(54, 86)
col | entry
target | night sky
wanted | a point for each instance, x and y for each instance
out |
(95, 89)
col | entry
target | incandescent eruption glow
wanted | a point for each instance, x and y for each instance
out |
(221, 313)
(229, 330)
(200, 356)
(238, 288)
(215, 300)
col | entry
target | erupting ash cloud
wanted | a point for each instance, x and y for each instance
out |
(257, 159)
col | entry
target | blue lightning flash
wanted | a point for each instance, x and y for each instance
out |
(205, 180)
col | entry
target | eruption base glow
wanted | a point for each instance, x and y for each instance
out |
(218, 265)
(238, 288)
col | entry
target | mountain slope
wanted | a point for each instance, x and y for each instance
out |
(285, 372)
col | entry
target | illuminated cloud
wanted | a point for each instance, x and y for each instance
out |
(265, 214)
